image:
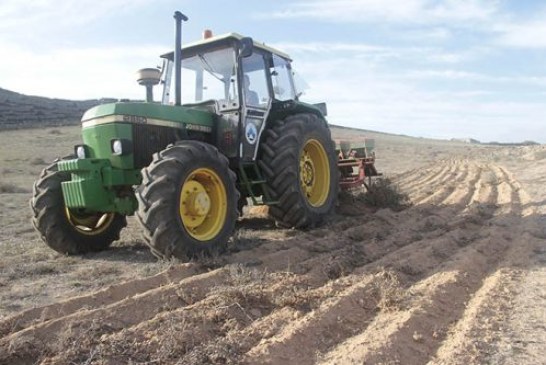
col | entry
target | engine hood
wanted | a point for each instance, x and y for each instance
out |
(149, 113)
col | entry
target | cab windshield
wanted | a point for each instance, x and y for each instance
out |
(210, 76)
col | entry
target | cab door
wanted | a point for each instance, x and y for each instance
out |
(256, 102)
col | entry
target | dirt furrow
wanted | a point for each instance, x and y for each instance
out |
(482, 187)
(512, 196)
(452, 168)
(413, 334)
(462, 341)
(409, 177)
(443, 190)
(473, 185)
(428, 176)
(117, 316)
(315, 329)
(120, 315)
(241, 301)
(478, 335)
(463, 185)
(428, 284)
(280, 258)
(98, 299)
(484, 202)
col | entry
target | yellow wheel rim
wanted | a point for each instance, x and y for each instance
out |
(89, 224)
(203, 204)
(314, 173)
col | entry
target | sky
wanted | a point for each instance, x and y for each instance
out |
(425, 68)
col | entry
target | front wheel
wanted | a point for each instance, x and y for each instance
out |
(69, 231)
(187, 202)
(300, 164)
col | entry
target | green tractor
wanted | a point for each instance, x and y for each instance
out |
(185, 167)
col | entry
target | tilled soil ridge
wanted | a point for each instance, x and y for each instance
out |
(430, 284)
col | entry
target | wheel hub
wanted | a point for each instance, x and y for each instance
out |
(314, 173)
(203, 204)
(199, 203)
(195, 203)
(307, 172)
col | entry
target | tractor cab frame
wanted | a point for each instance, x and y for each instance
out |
(238, 80)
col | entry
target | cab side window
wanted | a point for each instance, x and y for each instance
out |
(280, 77)
(255, 90)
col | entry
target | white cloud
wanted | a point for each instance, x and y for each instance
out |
(433, 34)
(392, 11)
(430, 20)
(530, 34)
(332, 47)
(478, 77)
(78, 72)
(378, 54)
(93, 72)
(362, 94)
(38, 16)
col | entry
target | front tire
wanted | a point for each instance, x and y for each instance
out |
(69, 231)
(300, 165)
(187, 202)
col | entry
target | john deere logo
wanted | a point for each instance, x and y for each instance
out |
(251, 133)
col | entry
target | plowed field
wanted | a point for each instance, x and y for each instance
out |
(456, 278)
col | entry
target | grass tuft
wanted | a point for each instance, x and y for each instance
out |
(381, 194)
(36, 161)
(9, 188)
(384, 194)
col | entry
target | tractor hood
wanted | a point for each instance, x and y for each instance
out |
(150, 114)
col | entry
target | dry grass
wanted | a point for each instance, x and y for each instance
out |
(392, 294)
(221, 315)
(38, 161)
(10, 188)
(31, 274)
(384, 194)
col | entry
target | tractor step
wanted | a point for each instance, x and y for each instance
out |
(257, 182)
(251, 176)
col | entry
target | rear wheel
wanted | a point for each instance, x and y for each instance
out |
(69, 231)
(187, 202)
(299, 161)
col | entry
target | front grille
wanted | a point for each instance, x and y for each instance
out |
(148, 139)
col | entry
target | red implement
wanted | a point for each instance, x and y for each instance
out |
(356, 164)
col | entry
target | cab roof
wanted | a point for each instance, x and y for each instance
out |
(224, 37)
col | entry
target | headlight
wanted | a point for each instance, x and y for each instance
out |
(121, 146)
(80, 151)
(117, 147)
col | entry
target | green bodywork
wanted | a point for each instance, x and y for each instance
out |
(281, 110)
(177, 114)
(103, 180)
(92, 185)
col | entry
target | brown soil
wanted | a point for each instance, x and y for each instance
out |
(456, 278)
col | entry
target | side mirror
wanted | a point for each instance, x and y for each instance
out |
(246, 47)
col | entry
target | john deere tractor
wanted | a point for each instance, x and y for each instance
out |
(234, 131)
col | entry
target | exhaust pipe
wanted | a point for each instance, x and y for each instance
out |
(179, 17)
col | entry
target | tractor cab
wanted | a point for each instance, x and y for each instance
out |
(236, 79)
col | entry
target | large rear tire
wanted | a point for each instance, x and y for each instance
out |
(300, 165)
(187, 202)
(65, 230)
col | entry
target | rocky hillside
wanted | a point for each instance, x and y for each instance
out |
(21, 111)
